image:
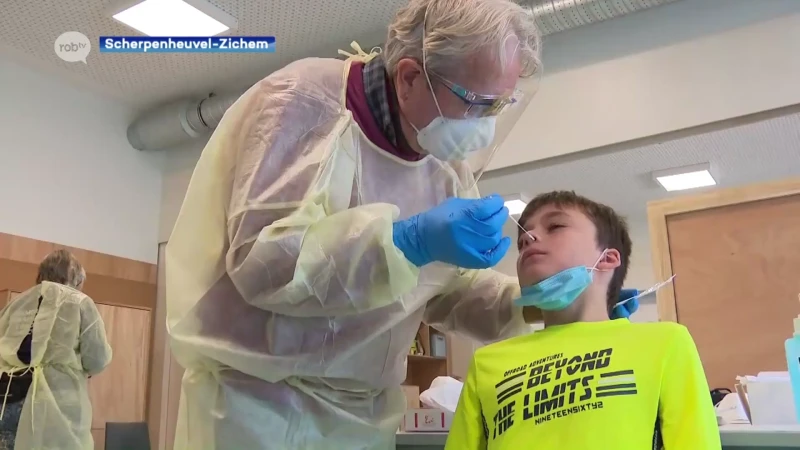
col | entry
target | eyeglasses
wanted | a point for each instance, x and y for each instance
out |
(479, 105)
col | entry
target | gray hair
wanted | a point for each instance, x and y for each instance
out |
(63, 268)
(454, 30)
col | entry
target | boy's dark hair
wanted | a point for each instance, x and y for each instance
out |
(611, 231)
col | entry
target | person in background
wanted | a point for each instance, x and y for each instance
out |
(52, 339)
(332, 211)
(585, 382)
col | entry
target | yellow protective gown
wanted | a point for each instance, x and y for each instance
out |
(287, 301)
(69, 344)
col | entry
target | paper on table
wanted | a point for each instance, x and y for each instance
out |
(763, 376)
(443, 394)
(730, 411)
(769, 398)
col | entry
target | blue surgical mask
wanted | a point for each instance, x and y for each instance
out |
(557, 292)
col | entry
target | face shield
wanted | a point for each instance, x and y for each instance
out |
(504, 121)
(466, 145)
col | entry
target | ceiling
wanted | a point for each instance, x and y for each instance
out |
(750, 153)
(28, 30)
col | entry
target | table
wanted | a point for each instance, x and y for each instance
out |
(734, 437)
(755, 437)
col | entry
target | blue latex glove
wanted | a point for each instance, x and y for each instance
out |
(625, 310)
(467, 233)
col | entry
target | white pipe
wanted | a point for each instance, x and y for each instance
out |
(178, 122)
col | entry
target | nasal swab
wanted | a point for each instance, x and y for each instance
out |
(523, 228)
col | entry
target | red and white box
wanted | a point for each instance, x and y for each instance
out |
(427, 419)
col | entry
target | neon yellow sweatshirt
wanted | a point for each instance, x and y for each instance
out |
(586, 386)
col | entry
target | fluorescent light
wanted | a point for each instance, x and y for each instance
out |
(684, 178)
(515, 203)
(515, 207)
(685, 181)
(183, 18)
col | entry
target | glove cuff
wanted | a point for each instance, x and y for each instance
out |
(406, 237)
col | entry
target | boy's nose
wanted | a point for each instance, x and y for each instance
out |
(528, 238)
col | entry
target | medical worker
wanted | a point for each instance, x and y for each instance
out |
(332, 211)
(52, 340)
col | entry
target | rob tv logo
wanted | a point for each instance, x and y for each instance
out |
(73, 46)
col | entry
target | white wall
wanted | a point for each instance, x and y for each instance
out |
(677, 66)
(178, 167)
(67, 173)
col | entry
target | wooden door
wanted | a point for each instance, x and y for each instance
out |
(737, 281)
(165, 372)
(173, 400)
(99, 436)
(6, 296)
(119, 393)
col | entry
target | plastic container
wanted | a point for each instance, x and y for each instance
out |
(438, 345)
(792, 346)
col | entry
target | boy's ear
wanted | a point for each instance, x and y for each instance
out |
(611, 260)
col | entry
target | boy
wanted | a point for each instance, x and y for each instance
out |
(584, 382)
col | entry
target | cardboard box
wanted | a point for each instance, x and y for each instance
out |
(427, 419)
(412, 396)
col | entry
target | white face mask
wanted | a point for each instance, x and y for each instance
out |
(454, 139)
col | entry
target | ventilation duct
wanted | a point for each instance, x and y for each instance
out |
(554, 16)
(178, 122)
(182, 121)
